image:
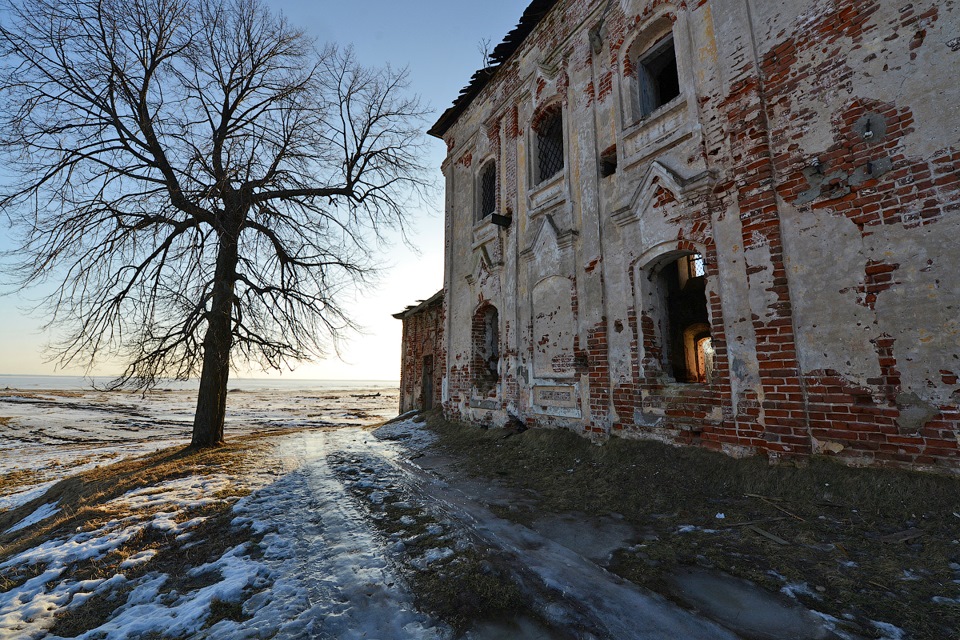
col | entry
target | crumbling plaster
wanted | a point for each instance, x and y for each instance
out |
(791, 123)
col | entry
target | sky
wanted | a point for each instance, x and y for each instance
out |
(439, 42)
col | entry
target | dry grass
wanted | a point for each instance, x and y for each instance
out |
(85, 498)
(833, 518)
(16, 480)
(43, 394)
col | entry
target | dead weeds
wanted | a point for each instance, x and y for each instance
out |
(16, 480)
(85, 498)
(858, 544)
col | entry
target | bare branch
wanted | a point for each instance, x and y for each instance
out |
(199, 180)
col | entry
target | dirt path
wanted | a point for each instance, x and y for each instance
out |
(339, 572)
(569, 593)
(343, 534)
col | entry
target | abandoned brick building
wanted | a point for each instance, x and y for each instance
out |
(728, 223)
(422, 363)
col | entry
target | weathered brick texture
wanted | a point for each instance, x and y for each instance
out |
(811, 158)
(422, 345)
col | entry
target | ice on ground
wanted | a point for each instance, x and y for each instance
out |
(41, 513)
(889, 631)
(795, 589)
(313, 565)
(329, 555)
(411, 434)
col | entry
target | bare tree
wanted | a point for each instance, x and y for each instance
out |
(200, 182)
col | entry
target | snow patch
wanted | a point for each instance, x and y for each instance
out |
(41, 513)
(138, 559)
(20, 498)
(412, 435)
(889, 631)
(795, 589)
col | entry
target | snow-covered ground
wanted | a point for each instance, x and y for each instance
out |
(314, 564)
(55, 432)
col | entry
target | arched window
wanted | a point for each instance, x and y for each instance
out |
(488, 190)
(486, 349)
(684, 321)
(657, 78)
(549, 130)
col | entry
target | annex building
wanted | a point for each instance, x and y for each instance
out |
(725, 223)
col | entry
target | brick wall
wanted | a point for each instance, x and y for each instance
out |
(422, 337)
(812, 159)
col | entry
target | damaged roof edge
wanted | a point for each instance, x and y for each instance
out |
(531, 17)
(415, 308)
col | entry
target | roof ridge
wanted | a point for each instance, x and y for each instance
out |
(532, 15)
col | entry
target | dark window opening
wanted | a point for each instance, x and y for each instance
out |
(486, 350)
(488, 190)
(427, 383)
(689, 348)
(608, 162)
(657, 76)
(549, 146)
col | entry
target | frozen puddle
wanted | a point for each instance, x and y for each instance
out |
(569, 591)
(747, 608)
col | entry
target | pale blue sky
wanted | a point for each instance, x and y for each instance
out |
(438, 40)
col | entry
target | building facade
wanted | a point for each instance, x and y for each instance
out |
(422, 361)
(727, 223)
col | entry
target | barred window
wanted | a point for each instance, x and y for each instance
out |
(488, 190)
(657, 76)
(549, 146)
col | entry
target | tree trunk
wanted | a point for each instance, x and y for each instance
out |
(212, 397)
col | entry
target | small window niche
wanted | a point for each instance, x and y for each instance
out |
(686, 336)
(658, 80)
(486, 350)
(608, 162)
(549, 136)
(487, 203)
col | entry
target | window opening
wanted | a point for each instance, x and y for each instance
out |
(427, 383)
(488, 190)
(657, 76)
(486, 350)
(608, 162)
(549, 146)
(694, 265)
(689, 347)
